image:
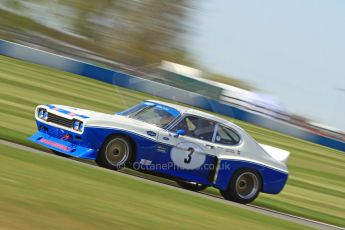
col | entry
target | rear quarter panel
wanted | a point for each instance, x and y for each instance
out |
(273, 180)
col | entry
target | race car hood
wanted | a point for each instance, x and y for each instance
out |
(97, 119)
(76, 112)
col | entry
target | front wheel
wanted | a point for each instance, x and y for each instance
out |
(244, 187)
(115, 153)
(191, 186)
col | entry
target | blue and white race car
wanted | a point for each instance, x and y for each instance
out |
(194, 148)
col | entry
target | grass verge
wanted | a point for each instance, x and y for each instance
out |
(43, 192)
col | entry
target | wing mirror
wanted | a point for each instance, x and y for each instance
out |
(179, 132)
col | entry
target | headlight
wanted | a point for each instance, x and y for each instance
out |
(45, 115)
(81, 126)
(40, 113)
(78, 125)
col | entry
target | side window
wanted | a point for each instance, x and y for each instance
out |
(196, 127)
(226, 136)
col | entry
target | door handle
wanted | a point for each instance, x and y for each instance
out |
(209, 146)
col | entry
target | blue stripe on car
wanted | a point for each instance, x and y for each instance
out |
(66, 111)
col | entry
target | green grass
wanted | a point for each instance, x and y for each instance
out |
(316, 186)
(42, 192)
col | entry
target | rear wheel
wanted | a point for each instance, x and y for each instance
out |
(244, 186)
(191, 186)
(115, 153)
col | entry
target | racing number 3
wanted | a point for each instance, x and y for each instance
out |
(189, 157)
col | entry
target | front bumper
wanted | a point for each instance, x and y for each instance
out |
(63, 146)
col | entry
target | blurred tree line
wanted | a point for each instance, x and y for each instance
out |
(132, 32)
(135, 33)
(139, 32)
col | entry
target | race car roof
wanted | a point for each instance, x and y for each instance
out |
(184, 109)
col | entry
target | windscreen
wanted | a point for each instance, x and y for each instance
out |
(152, 113)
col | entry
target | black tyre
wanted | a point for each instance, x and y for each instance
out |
(244, 187)
(60, 154)
(191, 186)
(115, 153)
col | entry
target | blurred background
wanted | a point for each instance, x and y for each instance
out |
(275, 68)
(192, 45)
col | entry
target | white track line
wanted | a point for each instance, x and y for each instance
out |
(300, 220)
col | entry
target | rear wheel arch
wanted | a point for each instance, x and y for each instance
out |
(254, 170)
(230, 192)
(245, 168)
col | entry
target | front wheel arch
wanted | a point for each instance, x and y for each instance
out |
(132, 142)
(100, 159)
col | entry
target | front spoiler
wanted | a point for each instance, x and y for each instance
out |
(63, 146)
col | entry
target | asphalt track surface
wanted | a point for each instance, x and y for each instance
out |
(172, 185)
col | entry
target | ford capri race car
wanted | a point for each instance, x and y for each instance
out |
(194, 148)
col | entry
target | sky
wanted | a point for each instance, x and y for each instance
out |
(292, 49)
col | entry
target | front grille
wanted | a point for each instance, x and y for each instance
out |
(53, 118)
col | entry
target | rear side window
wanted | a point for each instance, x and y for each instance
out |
(226, 136)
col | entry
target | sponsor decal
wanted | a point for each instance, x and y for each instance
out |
(56, 145)
(233, 151)
(162, 148)
(230, 151)
(145, 162)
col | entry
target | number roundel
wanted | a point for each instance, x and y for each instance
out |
(187, 155)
